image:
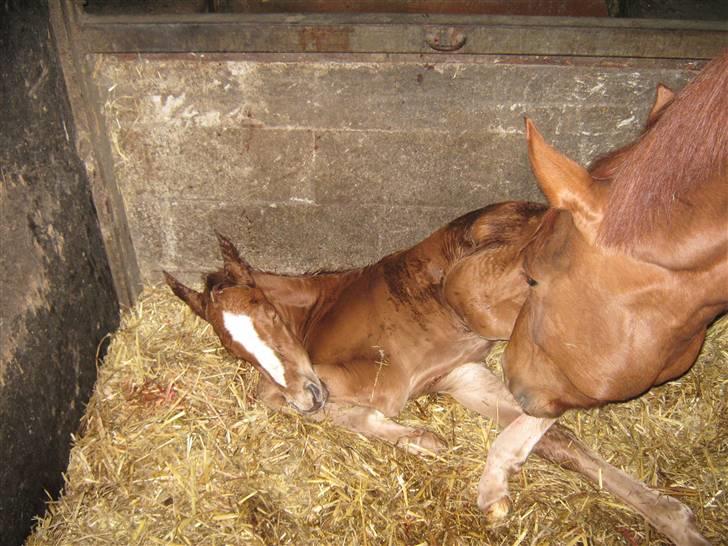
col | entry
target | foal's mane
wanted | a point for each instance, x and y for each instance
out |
(219, 279)
(683, 148)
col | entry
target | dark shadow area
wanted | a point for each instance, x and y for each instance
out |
(697, 10)
(57, 302)
(708, 10)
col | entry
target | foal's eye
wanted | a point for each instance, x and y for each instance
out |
(530, 280)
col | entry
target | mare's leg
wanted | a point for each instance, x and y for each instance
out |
(480, 390)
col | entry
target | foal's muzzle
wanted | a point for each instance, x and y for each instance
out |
(319, 395)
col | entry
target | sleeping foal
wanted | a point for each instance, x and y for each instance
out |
(418, 321)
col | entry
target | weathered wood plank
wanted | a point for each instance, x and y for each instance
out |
(93, 149)
(401, 33)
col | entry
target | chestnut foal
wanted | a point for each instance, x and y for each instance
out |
(418, 321)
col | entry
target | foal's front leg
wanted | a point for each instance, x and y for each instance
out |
(505, 457)
(478, 389)
(270, 394)
(360, 419)
(374, 424)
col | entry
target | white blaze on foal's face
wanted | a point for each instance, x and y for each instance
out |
(242, 331)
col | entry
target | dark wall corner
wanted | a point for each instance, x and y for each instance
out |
(57, 300)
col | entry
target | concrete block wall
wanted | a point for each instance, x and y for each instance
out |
(314, 163)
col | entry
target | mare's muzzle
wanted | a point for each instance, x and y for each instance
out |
(534, 402)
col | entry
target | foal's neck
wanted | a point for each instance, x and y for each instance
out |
(300, 299)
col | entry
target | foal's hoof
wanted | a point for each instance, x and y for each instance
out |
(496, 511)
(421, 442)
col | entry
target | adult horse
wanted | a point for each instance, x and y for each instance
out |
(417, 321)
(630, 265)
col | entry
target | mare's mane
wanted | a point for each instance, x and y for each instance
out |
(681, 149)
(604, 168)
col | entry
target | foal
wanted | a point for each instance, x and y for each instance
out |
(417, 321)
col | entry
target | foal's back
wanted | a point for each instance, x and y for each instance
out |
(416, 314)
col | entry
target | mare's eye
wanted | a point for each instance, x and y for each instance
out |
(530, 280)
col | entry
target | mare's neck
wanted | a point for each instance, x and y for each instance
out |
(691, 246)
(693, 236)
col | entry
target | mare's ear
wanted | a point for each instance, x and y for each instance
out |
(235, 267)
(663, 97)
(566, 184)
(192, 298)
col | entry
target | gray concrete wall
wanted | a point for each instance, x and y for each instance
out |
(319, 164)
(56, 298)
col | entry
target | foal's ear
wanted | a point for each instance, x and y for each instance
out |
(192, 298)
(566, 184)
(663, 97)
(235, 267)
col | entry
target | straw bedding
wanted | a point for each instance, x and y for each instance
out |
(174, 449)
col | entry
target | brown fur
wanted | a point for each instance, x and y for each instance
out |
(419, 321)
(631, 262)
(680, 150)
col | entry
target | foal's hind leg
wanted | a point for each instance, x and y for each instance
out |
(480, 390)
(666, 514)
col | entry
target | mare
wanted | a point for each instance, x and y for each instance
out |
(630, 264)
(418, 321)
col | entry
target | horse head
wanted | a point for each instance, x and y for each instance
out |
(251, 328)
(623, 289)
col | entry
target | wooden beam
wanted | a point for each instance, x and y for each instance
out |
(403, 33)
(93, 148)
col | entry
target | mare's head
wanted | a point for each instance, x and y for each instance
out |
(630, 263)
(250, 327)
